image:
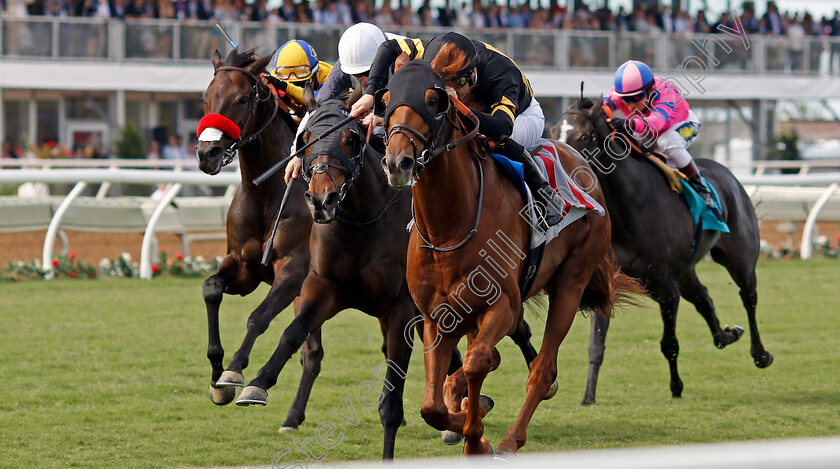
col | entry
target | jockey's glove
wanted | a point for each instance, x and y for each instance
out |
(617, 123)
(278, 84)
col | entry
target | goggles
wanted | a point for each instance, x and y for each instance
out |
(635, 98)
(299, 72)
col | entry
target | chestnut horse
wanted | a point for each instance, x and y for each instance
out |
(265, 135)
(463, 205)
(664, 258)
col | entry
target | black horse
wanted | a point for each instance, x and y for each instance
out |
(236, 94)
(653, 238)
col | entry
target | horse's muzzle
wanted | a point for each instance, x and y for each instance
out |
(323, 209)
(210, 157)
(400, 170)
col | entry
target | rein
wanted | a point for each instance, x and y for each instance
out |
(230, 152)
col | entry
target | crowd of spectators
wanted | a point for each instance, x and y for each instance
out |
(482, 14)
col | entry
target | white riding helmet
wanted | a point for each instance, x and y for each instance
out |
(357, 47)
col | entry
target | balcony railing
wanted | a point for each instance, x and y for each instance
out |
(170, 41)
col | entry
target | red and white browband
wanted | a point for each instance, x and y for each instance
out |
(211, 127)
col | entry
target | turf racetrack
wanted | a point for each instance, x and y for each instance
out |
(113, 373)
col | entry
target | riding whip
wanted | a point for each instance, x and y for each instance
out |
(229, 40)
(270, 243)
(276, 167)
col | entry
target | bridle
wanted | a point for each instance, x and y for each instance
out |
(255, 99)
(438, 135)
(428, 154)
(355, 161)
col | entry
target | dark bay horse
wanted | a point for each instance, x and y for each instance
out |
(653, 238)
(237, 94)
(358, 259)
(463, 206)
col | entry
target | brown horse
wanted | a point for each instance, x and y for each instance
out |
(265, 136)
(450, 258)
(353, 205)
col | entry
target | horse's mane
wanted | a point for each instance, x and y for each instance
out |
(239, 59)
(449, 60)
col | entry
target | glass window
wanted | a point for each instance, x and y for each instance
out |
(47, 121)
(16, 118)
(87, 108)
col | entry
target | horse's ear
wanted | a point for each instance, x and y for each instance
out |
(597, 107)
(217, 59)
(380, 102)
(401, 60)
(259, 65)
(309, 97)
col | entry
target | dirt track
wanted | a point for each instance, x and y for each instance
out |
(92, 247)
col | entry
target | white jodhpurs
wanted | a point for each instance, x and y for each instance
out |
(528, 126)
(674, 142)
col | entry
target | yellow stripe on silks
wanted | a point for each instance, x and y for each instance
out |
(503, 108)
(524, 78)
(404, 46)
(418, 44)
(507, 102)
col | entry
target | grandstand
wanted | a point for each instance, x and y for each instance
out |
(78, 81)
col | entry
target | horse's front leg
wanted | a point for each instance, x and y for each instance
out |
(213, 291)
(482, 358)
(288, 277)
(311, 354)
(391, 412)
(319, 302)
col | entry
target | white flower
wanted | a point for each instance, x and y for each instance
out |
(105, 263)
(126, 257)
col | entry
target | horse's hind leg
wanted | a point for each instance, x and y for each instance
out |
(522, 337)
(563, 305)
(742, 272)
(696, 293)
(668, 298)
(311, 354)
(597, 343)
(393, 372)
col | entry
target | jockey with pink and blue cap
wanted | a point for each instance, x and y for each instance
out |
(655, 111)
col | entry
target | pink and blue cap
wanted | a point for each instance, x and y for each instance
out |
(632, 77)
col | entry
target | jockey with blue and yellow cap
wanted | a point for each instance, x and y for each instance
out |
(293, 65)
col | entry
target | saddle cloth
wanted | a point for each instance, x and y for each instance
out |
(704, 217)
(577, 202)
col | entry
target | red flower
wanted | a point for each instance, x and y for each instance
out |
(179, 256)
(72, 255)
(72, 274)
(55, 262)
(181, 265)
(837, 239)
(95, 273)
(155, 269)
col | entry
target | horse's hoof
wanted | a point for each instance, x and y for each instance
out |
(487, 402)
(502, 453)
(252, 395)
(764, 360)
(403, 423)
(587, 401)
(551, 391)
(230, 378)
(222, 396)
(285, 429)
(451, 438)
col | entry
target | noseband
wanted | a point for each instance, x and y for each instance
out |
(255, 99)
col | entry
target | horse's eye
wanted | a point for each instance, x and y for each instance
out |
(584, 138)
(244, 100)
(433, 102)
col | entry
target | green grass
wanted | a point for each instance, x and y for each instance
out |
(110, 373)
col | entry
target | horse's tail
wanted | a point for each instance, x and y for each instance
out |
(610, 287)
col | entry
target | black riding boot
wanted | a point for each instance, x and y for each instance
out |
(703, 191)
(550, 206)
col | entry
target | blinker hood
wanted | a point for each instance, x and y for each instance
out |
(408, 86)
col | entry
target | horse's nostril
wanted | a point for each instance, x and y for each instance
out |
(406, 165)
(331, 200)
